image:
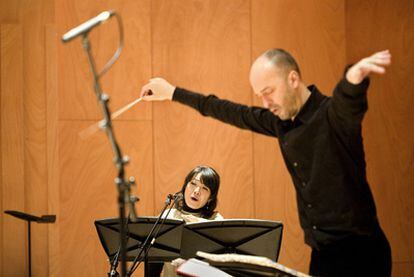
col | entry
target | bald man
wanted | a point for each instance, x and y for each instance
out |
(321, 144)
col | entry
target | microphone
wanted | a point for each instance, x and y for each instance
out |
(178, 196)
(88, 25)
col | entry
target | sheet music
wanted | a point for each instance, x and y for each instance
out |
(248, 259)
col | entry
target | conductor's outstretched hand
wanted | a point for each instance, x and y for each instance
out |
(375, 63)
(157, 89)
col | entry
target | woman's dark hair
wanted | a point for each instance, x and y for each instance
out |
(208, 177)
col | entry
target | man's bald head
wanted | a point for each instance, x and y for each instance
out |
(281, 60)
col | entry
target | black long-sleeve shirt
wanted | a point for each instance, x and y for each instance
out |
(323, 152)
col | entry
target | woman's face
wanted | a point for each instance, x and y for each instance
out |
(196, 194)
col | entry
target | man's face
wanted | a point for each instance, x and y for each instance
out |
(275, 88)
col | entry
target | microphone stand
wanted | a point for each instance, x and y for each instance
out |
(150, 241)
(114, 263)
(124, 186)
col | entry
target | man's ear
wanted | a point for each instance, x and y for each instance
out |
(293, 79)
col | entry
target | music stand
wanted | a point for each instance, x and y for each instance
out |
(245, 236)
(29, 218)
(165, 248)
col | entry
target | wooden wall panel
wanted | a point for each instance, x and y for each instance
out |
(205, 46)
(314, 32)
(14, 234)
(87, 190)
(388, 136)
(10, 11)
(76, 95)
(35, 144)
(1, 167)
(403, 269)
(52, 148)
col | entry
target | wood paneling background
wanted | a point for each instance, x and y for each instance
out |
(12, 143)
(388, 132)
(316, 38)
(212, 53)
(47, 99)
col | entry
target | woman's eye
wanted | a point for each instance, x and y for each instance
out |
(205, 188)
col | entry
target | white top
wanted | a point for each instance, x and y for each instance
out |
(189, 217)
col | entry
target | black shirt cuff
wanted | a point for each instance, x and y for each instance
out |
(352, 89)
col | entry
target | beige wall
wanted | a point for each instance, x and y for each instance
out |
(47, 99)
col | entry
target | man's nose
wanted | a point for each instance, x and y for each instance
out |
(266, 102)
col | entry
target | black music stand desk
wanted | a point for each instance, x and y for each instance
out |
(31, 218)
(240, 236)
(165, 248)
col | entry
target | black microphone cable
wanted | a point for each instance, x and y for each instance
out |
(118, 50)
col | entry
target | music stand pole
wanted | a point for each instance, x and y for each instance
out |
(30, 248)
(29, 218)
